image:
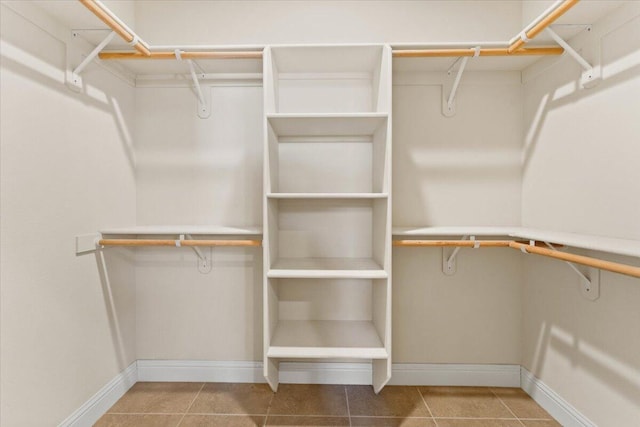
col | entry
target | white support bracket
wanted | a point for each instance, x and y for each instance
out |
(449, 264)
(74, 80)
(448, 103)
(204, 110)
(204, 261)
(589, 285)
(591, 75)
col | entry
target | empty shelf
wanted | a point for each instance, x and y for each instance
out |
(326, 339)
(453, 231)
(355, 124)
(207, 230)
(585, 241)
(327, 195)
(327, 268)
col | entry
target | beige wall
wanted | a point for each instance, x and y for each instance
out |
(318, 21)
(66, 169)
(581, 174)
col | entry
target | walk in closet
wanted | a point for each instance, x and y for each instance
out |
(372, 193)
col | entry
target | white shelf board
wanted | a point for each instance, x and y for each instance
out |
(326, 339)
(611, 245)
(452, 231)
(209, 230)
(327, 195)
(584, 241)
(326, 58)
(330, 124)
(327, 268)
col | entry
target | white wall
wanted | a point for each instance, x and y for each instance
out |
(196, 171)
(581, 174)
(66, 169)
(318, 21)
(462, 170)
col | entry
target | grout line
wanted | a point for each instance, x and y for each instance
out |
(346, 395)
(266, 417)
(425, 404)
(506, 406)
(482, 418)
(321, 416)
(190, 405)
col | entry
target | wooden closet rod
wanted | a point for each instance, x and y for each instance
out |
(221, 54)
(112, 22)
(525, 35)
(165, 242)
(459, 243)
(579, 259)
(414, 53)
(439, 53)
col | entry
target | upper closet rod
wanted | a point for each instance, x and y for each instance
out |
(184, 55)
(430, 53)
(113, 22)
(543, 21)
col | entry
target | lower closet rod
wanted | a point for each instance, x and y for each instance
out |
(579, 259)
(174, 243)
(459, 243)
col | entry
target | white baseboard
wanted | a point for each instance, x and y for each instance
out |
(449, 374)
(326, 373)
(329, 373)
(99, 403)
(555, 405)
(200, 371)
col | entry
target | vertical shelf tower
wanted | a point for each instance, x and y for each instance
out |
(327, 206)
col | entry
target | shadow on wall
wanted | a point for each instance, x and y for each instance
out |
(117, 277)
(587, 346)
(619, 64)
(23, 52)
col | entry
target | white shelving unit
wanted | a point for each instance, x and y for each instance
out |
(327, 207)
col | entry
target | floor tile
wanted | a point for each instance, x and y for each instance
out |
(309, 399)
(392, 422)
(478, 423)
(138, 420)
(307, 421)
(157, 398)
(472, 402)
(222, 420)
(541, 423)
(520, 403)
(225, 398)
(392, 401)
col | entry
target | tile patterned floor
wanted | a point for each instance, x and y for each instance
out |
(239, 405)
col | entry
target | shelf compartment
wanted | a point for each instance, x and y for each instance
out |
(326, 339)
(327, 268)
(335, 228)
(328, 154)
(329, 78)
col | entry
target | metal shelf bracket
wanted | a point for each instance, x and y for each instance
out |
(204, 110)
(204, 261)
(74, 80)
(449, 265)
(449, 103)
(591, 75)
(589, 283)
